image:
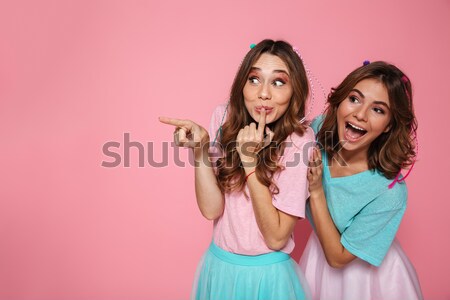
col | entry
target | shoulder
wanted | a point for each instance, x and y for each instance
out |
(219, 111)
(391, 198)
(300, 141)
(217, 119)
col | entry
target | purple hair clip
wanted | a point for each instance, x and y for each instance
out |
(405, 79)
(366, 62)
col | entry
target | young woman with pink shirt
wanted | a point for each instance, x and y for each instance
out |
(256, 187)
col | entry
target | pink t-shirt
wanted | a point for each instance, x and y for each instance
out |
(236, 230)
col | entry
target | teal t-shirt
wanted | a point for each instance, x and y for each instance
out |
(365, 211)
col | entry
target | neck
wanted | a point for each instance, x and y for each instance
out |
(357, 161)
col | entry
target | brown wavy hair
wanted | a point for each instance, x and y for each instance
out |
(230, 173)
(392, 150)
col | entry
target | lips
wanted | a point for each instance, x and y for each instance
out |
(353, 132)
(267, 108)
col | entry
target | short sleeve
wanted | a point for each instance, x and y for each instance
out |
(371, 232)
(217, 118)
(292, 182)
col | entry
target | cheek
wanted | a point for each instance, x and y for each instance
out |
(283, 101)
(248, 94)
(249, 106)
(386, 127)
(383, 123)
(287, 95)
(248, 89)
(340, 112)
(344, 108)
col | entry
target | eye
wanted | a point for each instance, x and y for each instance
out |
(378, 110)
(253, 80)
(278, 82)
(353, 99)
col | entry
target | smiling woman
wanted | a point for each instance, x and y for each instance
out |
(355, 205)
(363, 116)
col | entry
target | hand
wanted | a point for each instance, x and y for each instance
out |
(188, 134)
(250, 140)
(315, 169)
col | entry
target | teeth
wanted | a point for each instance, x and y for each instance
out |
(356, 127)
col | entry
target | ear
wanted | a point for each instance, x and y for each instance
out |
(388, 127)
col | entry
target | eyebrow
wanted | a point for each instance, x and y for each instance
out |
(274, 71)
(376, 101)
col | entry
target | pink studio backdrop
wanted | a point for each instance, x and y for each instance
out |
(75, 75)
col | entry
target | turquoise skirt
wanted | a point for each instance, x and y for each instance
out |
(223, 275)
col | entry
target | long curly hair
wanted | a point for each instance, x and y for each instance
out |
(392, 150)
(230, 173)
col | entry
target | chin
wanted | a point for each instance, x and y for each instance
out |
(356, 147)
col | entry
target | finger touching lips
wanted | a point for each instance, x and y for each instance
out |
(262, 122)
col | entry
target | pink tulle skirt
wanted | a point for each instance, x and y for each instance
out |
(395, 279)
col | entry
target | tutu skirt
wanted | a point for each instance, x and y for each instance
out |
(222, 275)
(394, 279)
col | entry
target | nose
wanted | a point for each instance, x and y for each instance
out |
(361, 113)
(264, 92)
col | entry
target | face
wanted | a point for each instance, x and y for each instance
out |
(363, 116)
(268, 86)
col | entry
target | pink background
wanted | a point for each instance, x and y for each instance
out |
(77, 74)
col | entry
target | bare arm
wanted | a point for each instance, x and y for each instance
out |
(275, 226)
(191, 135)
(330, 239)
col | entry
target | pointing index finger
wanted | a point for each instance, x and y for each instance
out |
(175, 122)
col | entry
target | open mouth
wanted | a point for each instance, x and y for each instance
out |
(353, 132)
